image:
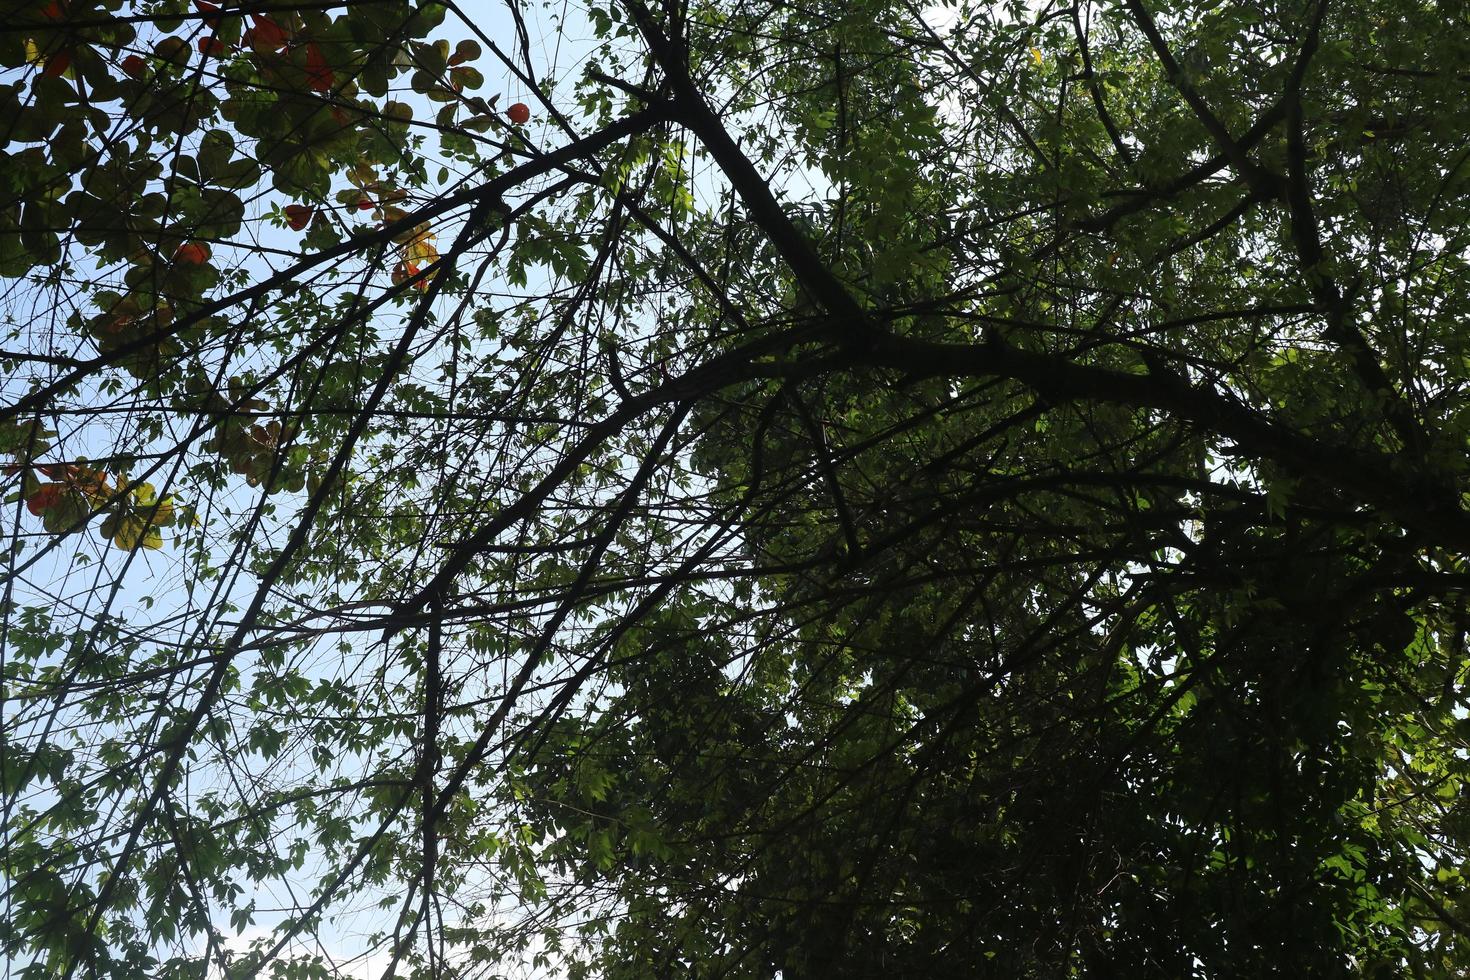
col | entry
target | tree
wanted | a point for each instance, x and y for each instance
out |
(840, 490)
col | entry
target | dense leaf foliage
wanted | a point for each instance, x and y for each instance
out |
(735, 490)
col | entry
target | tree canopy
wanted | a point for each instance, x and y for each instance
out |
(735, 490)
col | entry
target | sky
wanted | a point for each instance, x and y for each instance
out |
(150, 590)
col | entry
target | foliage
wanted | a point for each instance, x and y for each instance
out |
(807, 489)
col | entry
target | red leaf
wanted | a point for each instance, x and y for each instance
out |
(116, 324)
(57, 64)
(298, 216)
(319, 76)
(266, 34)
(45, 497)
(134, 66)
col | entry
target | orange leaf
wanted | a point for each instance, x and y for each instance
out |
(193, 253)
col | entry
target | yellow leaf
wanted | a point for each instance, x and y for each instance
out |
(1036, 56)
(150, 507)
(418, 231)
(421, 251)
(138, 526)
(133, 531)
